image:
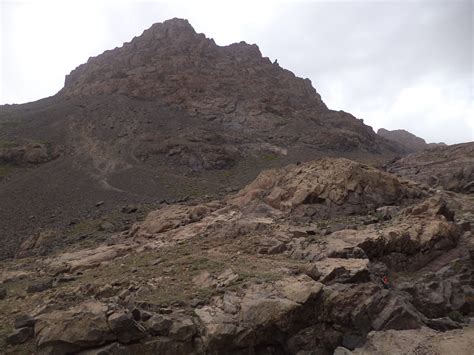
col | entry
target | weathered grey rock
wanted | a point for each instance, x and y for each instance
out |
(40, 286)
(83, 326)
(111, 349)
(443, 324)
(398, 314)
(182, 329)
(229, 321)
(24, 320)
(125, 328)
(340, 350)
(159, 324)
(334, 270)
(387, 212)
(20, 336)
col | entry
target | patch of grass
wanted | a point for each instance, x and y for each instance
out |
(7, 144)
(270, 157)
(5, 169)
(9, 124)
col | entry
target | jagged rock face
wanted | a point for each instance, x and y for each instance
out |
(449, 167)
(171, 62)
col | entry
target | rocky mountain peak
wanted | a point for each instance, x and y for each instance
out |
(408, 140)
(173, 63)
(176, 30)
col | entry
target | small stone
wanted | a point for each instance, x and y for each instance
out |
(277, 249)
(20, 336)
(129, 209)
(144, 315)
(100, 203)
(24, 320)
(159, 324)
(313, 272)
(156, 262)
(106, 226)
(3, 292)
(342, 351)
(66, 278)
(39, 286)
(136, 314)
(465, 226)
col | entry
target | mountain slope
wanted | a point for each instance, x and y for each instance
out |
(166, 116)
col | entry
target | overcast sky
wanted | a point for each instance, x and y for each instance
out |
(399, 64)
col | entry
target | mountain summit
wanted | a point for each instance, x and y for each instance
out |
(173, 63)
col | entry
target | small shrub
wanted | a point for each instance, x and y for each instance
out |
(456, 316)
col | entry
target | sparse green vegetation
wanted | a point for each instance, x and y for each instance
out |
(5, 169)
(270, 157)
(7, 144)
(456, 316)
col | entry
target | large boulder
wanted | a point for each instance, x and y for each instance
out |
(83, 326)
(263, 312)
(335, 270)
(125, 327)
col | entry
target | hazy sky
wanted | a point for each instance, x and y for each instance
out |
(396, 64)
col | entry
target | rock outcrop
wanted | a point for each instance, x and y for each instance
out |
(31, 153)
(446, 167)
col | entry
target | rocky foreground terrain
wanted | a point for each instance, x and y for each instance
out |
(290, 264)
